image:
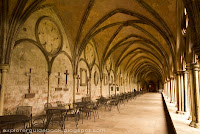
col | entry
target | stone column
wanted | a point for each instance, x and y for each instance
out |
(185, 91)
(165, 88)
(189, 100)
(116, 89)
(182, 94)
(174, 98)
(172, 89)
(178, 92)
(48, 90)
(101, 92)
(175, 91)
(90, 89)
(74, 87)
(4, 68)
(169, 89)
(195, 96)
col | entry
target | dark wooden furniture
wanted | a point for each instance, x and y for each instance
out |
(56, 114)
(9, 121)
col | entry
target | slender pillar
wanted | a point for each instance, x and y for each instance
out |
(182, 94)
(48, 92)
(186, 91)
(101, 92)
(74, 90)
(90, 89)
(4, 68)
(195, 96)
(189, 100)
(116, 89)
(168, 89)
(178, 91)
(165, 88)
(172, 89)
(175, 91)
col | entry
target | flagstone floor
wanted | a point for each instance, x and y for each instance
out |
(142, 115)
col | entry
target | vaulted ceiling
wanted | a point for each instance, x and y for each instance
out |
(138, 34)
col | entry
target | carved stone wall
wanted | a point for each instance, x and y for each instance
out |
(26, 56)
(60, 65)
(29, 53)
(44, 53)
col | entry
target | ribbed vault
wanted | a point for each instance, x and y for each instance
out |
(139, 35)
(139, 38)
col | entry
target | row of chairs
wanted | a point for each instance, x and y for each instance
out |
(116, 100)
(75, 111)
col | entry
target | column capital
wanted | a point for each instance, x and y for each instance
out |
(196, 49)
(195, 66)
(168, 80)
(192, 66)
(4, 67)
(171, 78)
(180, 72)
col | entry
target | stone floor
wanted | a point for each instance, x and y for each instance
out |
(181, 122)
(143, 115)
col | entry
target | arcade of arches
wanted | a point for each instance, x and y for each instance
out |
(68, 49)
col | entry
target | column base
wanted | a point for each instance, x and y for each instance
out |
(180, 112)
(190, 117)
(194, 124)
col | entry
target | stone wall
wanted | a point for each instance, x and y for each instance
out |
(60, 65)
(49, 65)
(28, 53)
(26, 56)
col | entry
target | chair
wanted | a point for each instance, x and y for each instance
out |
(55, 117)
(73, 114)
(87, 109)
(25, 110)
(95, 108)
(46, 105)
(39, 123)
(113, 102)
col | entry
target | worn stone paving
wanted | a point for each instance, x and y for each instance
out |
(143, 115)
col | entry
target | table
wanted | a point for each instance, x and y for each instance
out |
(80, 104)
(59, 111)
(10, 120)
